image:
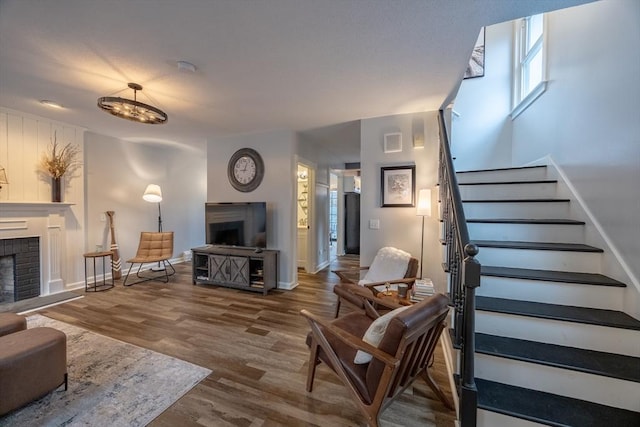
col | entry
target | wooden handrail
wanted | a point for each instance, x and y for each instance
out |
(464, 277)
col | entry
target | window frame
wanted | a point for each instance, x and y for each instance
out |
(522, 59)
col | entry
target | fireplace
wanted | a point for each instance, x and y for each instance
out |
(19, 269)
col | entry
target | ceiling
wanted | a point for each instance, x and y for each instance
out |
(261, 65)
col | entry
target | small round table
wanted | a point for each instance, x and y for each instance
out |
(98, 286)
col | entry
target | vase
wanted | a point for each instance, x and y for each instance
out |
(56, 189)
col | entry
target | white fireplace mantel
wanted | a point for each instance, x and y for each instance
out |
(22, 206)
(45, 220)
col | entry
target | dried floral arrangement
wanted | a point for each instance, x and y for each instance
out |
(58, 159)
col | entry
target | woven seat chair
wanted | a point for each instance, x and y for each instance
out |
(154, 247)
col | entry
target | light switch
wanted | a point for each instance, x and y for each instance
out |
(374, 224)
(103, 217)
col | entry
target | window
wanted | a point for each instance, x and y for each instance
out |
(529, 65)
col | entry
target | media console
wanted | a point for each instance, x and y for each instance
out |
(236, 267)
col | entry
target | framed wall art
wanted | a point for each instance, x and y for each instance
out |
(398, 186)
(476, 62)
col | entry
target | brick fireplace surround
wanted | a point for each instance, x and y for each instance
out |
(25, 253)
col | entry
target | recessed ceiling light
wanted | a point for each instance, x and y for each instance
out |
(51, 104)
(186, 66)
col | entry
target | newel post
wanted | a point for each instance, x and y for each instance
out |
(469, 392)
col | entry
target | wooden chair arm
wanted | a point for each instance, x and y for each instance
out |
(368, 294)
(342, 273)
(408, 280)
(347, 338)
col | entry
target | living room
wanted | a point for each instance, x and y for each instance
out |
(116, 168)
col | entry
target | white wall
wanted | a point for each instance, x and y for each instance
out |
(588, 121)
(277, 188)
(117, 173)
(400, 227)
(481, 134)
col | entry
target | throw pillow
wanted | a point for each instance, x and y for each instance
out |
(374, 334)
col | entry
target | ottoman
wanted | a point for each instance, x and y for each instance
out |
(33, 362)
(10, 323)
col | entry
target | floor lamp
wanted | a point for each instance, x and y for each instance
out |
(424, 209)
(153, 194)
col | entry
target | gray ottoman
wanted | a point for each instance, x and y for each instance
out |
(32, 363)
(10, 323)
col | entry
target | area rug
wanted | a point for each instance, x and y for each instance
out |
(111, 383)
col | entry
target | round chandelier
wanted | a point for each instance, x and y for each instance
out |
(133, 110)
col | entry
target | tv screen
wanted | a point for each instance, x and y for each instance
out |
(237, 224)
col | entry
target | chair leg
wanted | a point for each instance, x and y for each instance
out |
(337, 308)
(436, 389)
(313, 363)
(127, 276)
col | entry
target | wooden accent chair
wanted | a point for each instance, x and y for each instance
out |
(406, 347)
(154, 247)
(390, 265)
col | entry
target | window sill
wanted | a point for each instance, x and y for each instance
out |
(528, 100)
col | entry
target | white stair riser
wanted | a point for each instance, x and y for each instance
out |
(586, 262)
(560, 233)
(494, 419)
(526, 174)
(508, 191)
(592, 337)
(573, 294)
(479, 210)
(578, 385)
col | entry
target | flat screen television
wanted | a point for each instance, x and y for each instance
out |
(236, 224)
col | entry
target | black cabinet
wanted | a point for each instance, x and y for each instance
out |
(240, 268)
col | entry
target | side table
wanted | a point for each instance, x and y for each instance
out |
(107, 256)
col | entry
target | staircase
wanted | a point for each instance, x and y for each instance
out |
(552, 344)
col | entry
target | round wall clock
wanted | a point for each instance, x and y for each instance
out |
(246, 170)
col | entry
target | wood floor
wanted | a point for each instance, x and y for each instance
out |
(255, 347)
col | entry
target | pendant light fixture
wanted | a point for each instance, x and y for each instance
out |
(132, 109)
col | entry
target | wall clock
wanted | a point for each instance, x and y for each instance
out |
(246, 170)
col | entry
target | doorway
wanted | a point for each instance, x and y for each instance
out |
(303, 201)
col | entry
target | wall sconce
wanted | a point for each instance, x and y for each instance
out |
(417, 127)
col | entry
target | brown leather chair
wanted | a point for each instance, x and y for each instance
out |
(154, 247)
(350, 279)
(403, 354)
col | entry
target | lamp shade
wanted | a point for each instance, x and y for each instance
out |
(153, 193)
(424, 202)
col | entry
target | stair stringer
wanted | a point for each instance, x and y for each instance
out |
(613, 262)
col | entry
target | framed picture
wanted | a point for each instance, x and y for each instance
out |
(398, 186)
(476, 63)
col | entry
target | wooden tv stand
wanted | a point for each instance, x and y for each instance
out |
(236, 267)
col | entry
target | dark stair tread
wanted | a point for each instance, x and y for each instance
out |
(517, 201)
(577, 359)
(551, 276)
(526, 221)
(542, 246)
(501, 169)
(592, 316)
(538, 181)
(550, 409)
